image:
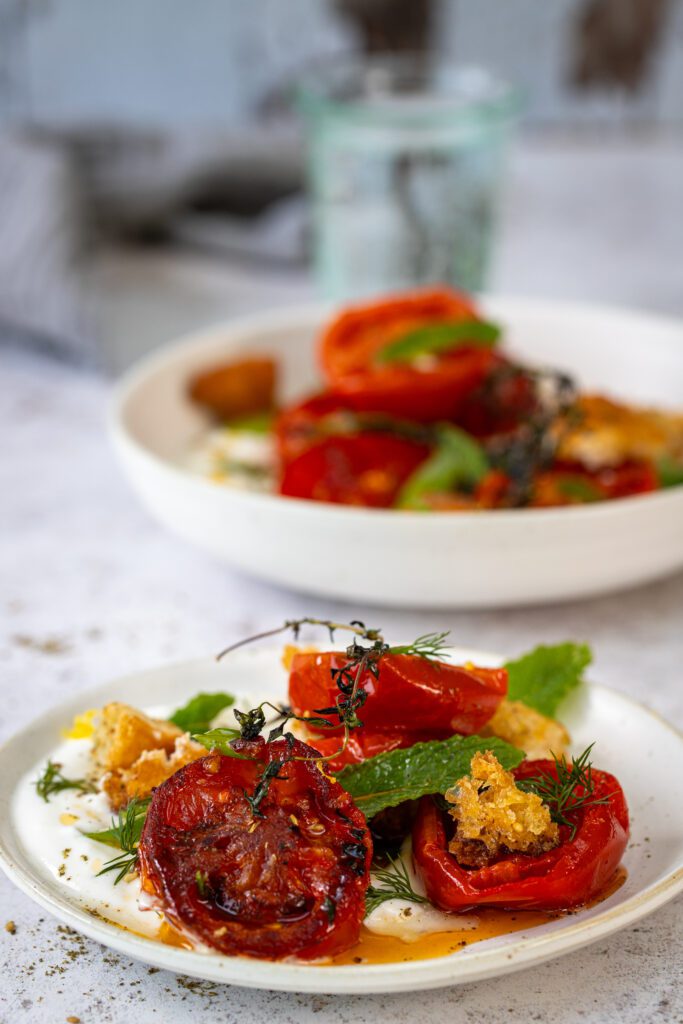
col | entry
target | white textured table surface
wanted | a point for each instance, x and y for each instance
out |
(90, 589)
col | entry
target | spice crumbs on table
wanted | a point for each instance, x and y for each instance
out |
(11, 928)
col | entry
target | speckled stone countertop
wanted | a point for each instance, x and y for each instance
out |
(90, 589)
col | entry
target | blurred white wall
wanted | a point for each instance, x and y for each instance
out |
(165, 62)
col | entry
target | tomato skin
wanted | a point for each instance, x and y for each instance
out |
(411, 694)
(267, 879)
(568, 876)
(364, 743)
(300, 426)
(365, 469)
(352, 340)
(424, 396)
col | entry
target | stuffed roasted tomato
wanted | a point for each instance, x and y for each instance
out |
(259, 853)
(562, 866)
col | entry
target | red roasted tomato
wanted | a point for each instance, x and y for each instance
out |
(411, 693)
(289, 880)
(424, 396)
(350, 343)
(353, 469)
(364, 743)
(571, 874)
(300, 426)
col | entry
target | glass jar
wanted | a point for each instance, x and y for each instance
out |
(406, 155)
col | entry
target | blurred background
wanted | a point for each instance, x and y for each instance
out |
(164, 165)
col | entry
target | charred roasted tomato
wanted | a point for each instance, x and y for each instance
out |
(360, 360)
(412, 694)
(285, 878)
(352, 341)
(422, 394)
(355, 469)
(569, 875)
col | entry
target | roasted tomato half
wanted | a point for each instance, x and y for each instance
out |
(567, 876)
(410, 694)
(288, 879)
(425, 390)
(364, 743)
(351, 342)
(422, 395)
(353, 469)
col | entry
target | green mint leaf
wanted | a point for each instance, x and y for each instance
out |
(545, 676)
(443, 336)
(457, 460)
(425, 768)
(221, 740)
(670, 472)
(257, 423)
(198, 714)
(579, 490)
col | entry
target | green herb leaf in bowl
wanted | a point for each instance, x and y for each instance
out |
(457, 460)
(443, 336)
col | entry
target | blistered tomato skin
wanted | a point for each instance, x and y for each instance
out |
(290, 882)
(367, 469)
(570, 875)
(364, 743)
(351, 342)
(410, 694)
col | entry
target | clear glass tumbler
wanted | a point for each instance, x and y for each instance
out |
(406, 158)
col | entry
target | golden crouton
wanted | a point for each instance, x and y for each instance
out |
(607, 433)
(150, 769)
(123, 733)
(493, 817)
(534, 733)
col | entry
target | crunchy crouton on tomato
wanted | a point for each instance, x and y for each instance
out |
(524, 727)
(494, 817)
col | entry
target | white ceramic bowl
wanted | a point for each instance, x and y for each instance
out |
(437, 560)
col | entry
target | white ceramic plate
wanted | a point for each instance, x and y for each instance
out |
(632, 742)
(446, 559)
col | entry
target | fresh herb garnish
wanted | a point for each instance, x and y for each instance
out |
(202, 880)
(386, 780)
(395, 885)
(427, 646)
(256, 423)
(567, 790)
(579, 490)
(444, 336)
(52, 781)
(545, 676)
(124, 834)
(669, 472)
(198, 714)
(457, 461)
(363, 656)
